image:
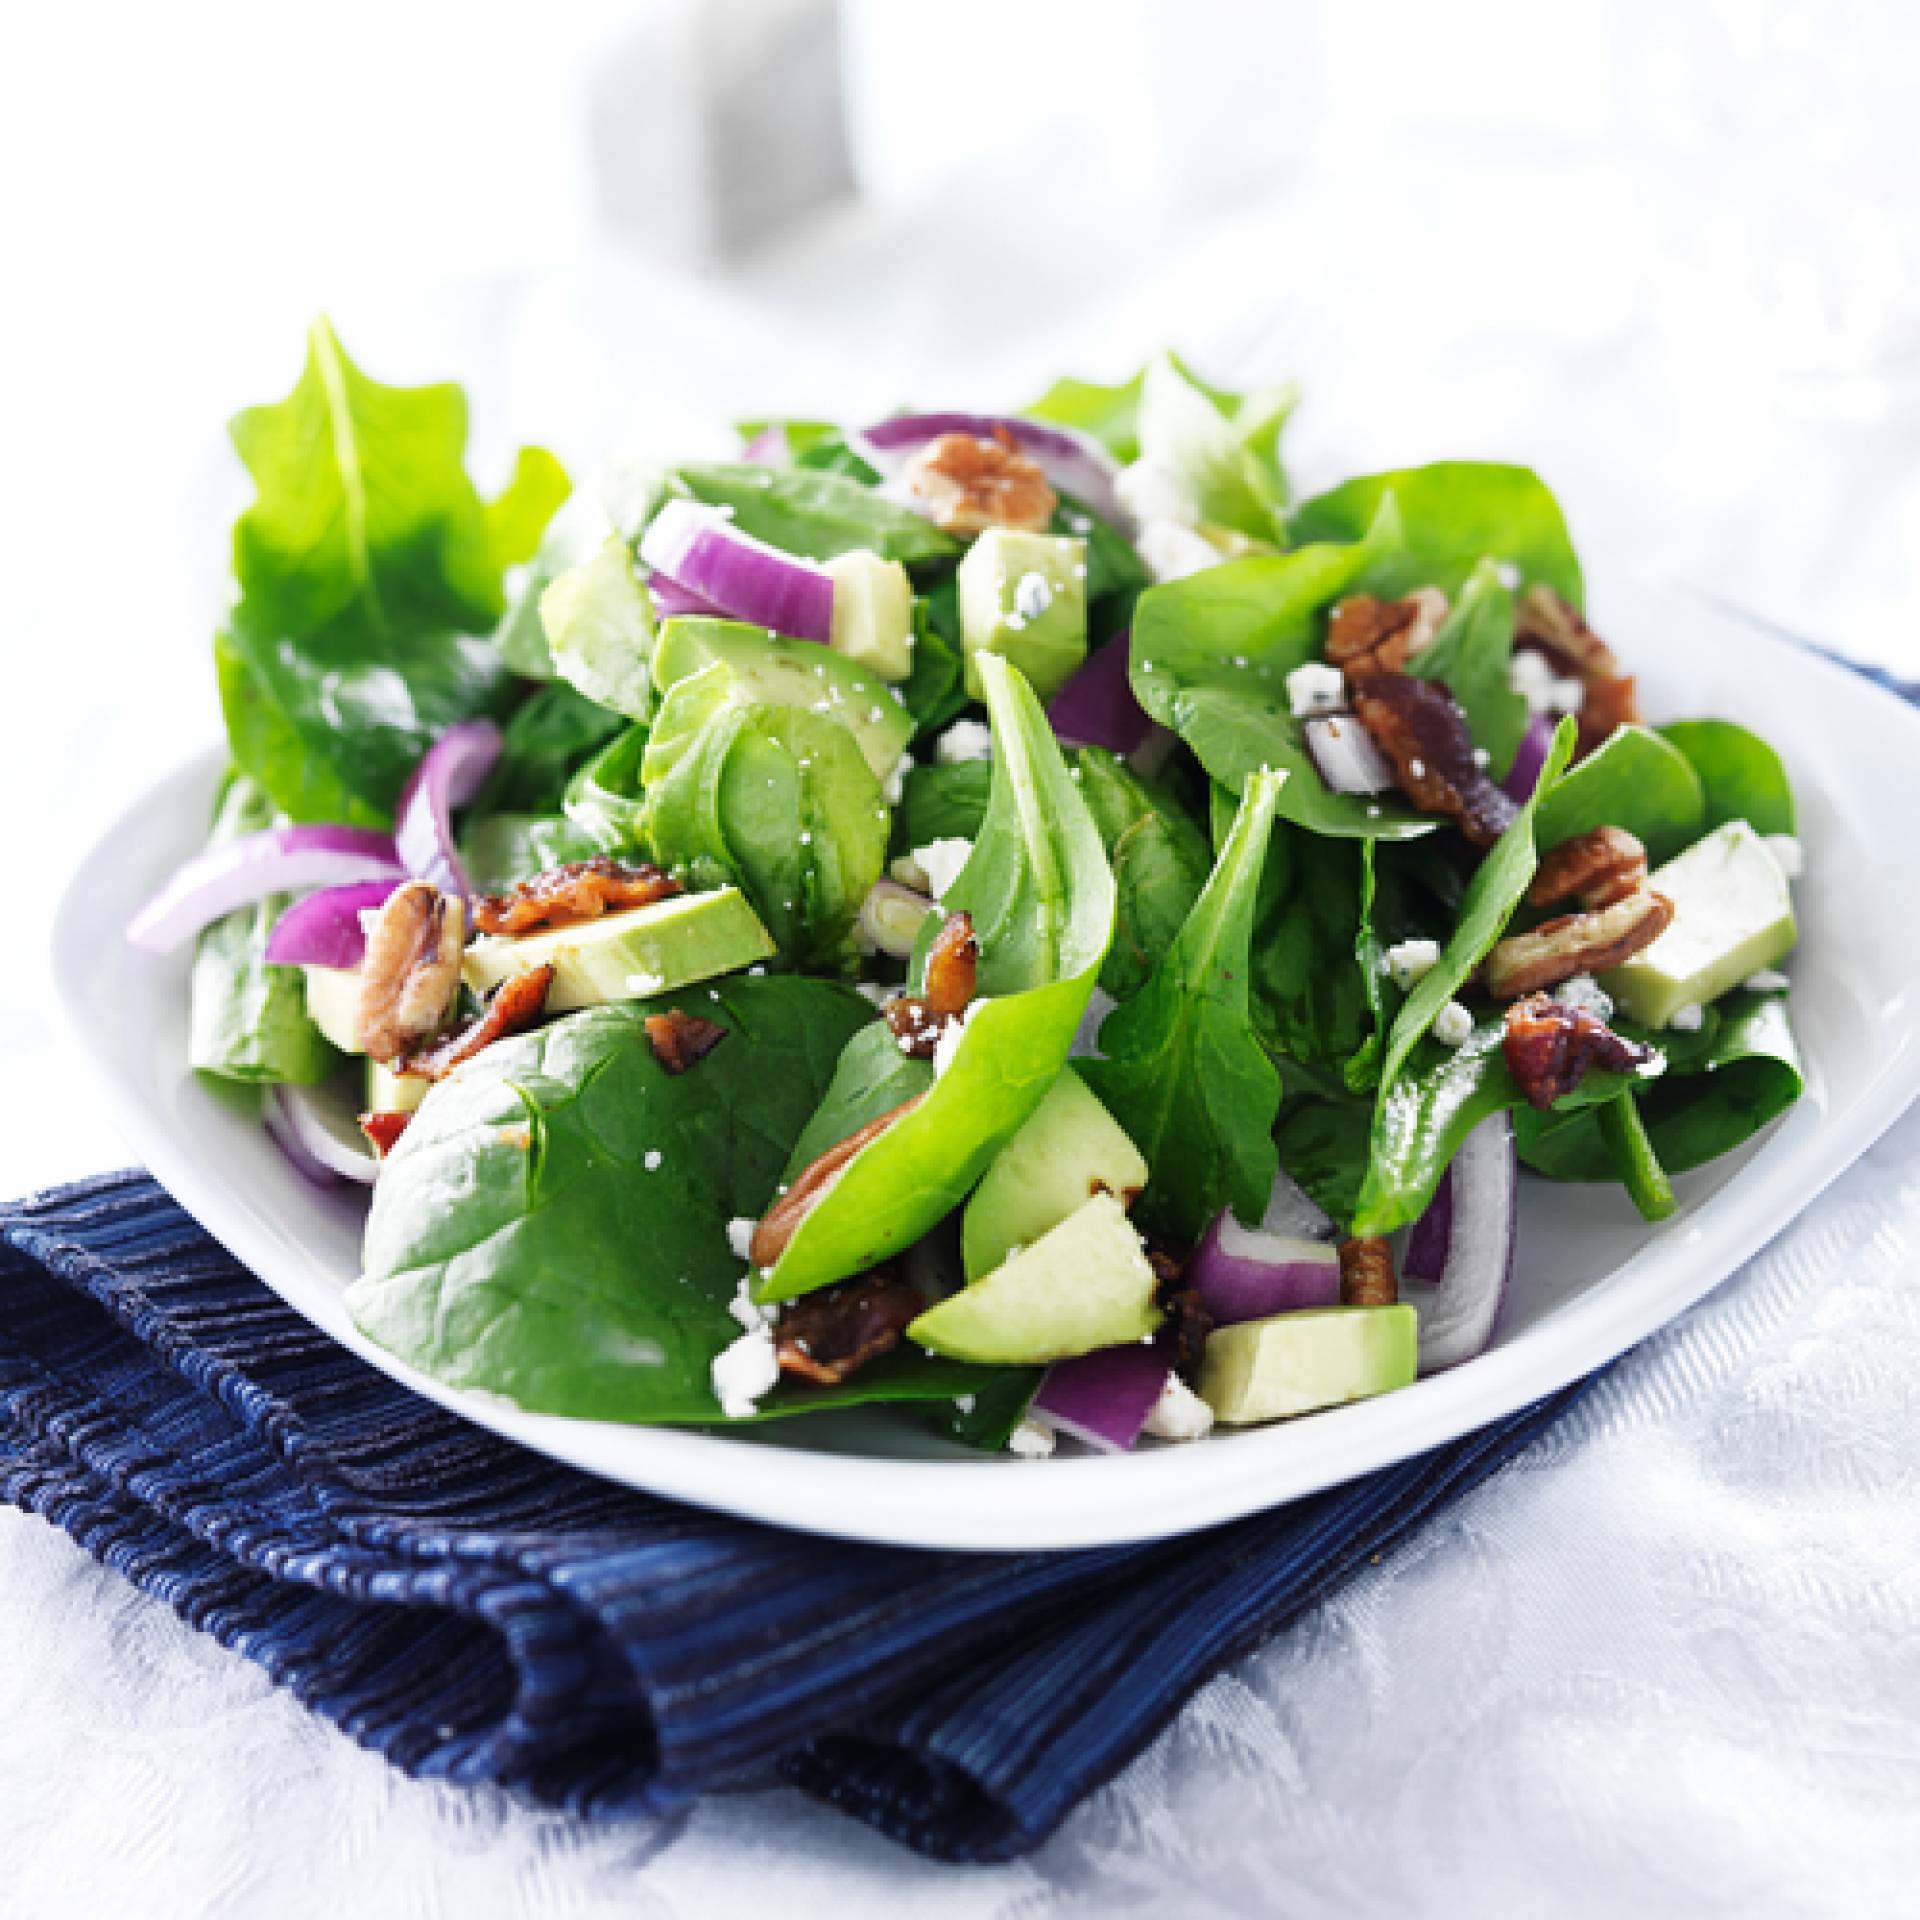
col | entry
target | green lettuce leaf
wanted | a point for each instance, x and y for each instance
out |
(1470, 655)
(1636, 780)
(816, 514)
(1741, 776)
(598, 619)
(544, 740)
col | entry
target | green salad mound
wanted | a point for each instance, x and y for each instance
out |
(1014, 915)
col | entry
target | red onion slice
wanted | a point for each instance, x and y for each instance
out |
(450, 773)
(236, 874)
(317, 1149)
(1103, 1398)
(1459, 1256)
(891, 917)
(324, 929)
(1528, 758)
(1247, 1273)
(671, 599)
(1097, 708)
(1075, 463)
(700, 549)
(1346, 757)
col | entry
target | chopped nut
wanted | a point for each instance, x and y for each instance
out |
(1549, 1046)
(1366, 1273)
(1557, 949)
(830, 1335)
(969, 484)
(515, 1006)
(1596, 868)
(782, 1220)
(1366, 635)
(412, 969)
(1554, 625)
(679, 1040)
(1418, 725)
(919, 1021)
(567, 895)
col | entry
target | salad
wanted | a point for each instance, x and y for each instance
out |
(1017, 917)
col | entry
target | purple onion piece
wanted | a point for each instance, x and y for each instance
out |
(1346, 757)
(1247, 1273)
(671, 600)
(1097, 708)
(1459, 1308)
(315, 1149)
(1103, 1398)
(1529, 757)
(450, 773)
(700, 549)
(324, 929)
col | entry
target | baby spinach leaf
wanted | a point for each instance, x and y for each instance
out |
(1227, 466)
(500, 849)
(1041, 897)
(605, 800)
(1323, 1141)
(1112, 414)
(935, 692)
(1633, 1156)
(598, 620)
(544, 740)
(942, 803)
(518, 516)
(1635, 780)
(1741, 776)
(1183, 1072)
(814, 514)
(1470, 655)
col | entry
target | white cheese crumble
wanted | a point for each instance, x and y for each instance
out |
(964, 740)
(1032, 595)
(1149, 491)
(740, 1236)
(745, 1371)
(1532, 677)
(745, 1308)
(1585, 994)
(948, 1045)
(651, 1159)
(1688, 1019)
(1032, 1439)
(1507, 574)
(1767, 980)
(895, 789)
(965, 1402)
(1179, 1413)
(1170, 551)
(1453, 1025)
(876, 991)
(641, 985)
(1316, 688)
(1787, 854)
(1410, 961)
(940, 862)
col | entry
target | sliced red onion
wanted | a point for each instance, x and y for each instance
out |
(319, 1151)
(1153, 752)
(1097, 708)
(1103, 1398)
(1347, 759)
(1529, 757)
(700, 549)
(891, 916)
(239, 872)
(671, 599)
(1075, 463)
(450, 773)
(1247, 1273)
(1459, 1256)
(767, 448)
(324, 929)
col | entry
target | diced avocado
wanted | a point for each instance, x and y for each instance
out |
(1300, 1362)
(1024, 597)
(1070, 1149)
(1085, 1284)
(872, 612)
(707, 665)
(1732, 916)
(599, 626)
(631, 955)
(390, 1092)
(333, 1004)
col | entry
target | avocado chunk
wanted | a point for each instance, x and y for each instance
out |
(599, 627)
(1085, 1284)
(390, 1092)
(333, 1005)
(1299, 1362)
(1024, 597)
(1732, 916)
(705, 666)
(631, 955)
(872, 613)
(1070, 1149)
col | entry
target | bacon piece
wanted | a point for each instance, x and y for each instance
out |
(968, 484)
(1549, 1047)
(515, 1006)
(1418, 725)
(383, 1130)
(1366, 1273)
(1555, 627)
(782, 1220)
(1596, 868)
(412, 969)
(831, 1334)
(680, 1040)
(1368, 635)
(567, 895)
(953, 966)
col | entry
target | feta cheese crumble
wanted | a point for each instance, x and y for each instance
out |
(1787, 854)
(651, 1159)
(1170, 551)
(1179, 1413)
(1453, 1025)
(740, 1236)
(1316, 688)
(964, 740)
(1688, 1019)
(895, 789)
(1031, 1440)
(745, 1308)
(1410, 961)
(940, 862)
(642, 985)
(1767, 980)
(1585, 994)
(1150, 491)
(745, 1371)
(1532, 677)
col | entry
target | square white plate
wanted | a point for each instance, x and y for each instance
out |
(1591, 1279)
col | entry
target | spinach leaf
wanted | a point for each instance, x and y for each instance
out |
(499, 849)
(1228, 467)
(1323, 1141)
(1041, 897)
(518, 516)
(935, 692)
(1633, 1156)
(1471, 654)
(1636, 780)
(544, 739)
(598, 619)
(1183, 1072)
(1453, 515)
(367, 565)
(942, 803)
(249, 1020)
(814, 514)
(605, 800)
(1116, 576)
(781, 802)
(1741, 776)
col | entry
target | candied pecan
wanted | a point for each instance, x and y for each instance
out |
(914, 1024)
(412, 969)
(1557, 949)
(1368, 635)
(781, 1220)
(680, 1040)
(1549, 1046)
(1366, 1273)
(969, 484)
(516, 1004)
(383, 1130)
(566, 895)
(1418, 725)
(1183, 1332)
(1556, 627)
(833, 1333)
(1596, 868)
(917, 1020)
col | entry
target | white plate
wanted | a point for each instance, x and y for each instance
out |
(1591, 1279)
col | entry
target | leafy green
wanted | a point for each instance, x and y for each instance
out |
(1471, 654)
(249, 1020)
(367, 565)
(1636, 780)
(605, 800)
(499, 849)
(518, 516)
(1741, 776)
(543, 741)
(1453, 515)
(935, 692)
(1183, 1072)
(1633, 1156)
(1042, 900)
(942, 803)
(816, 514)
(1116, 576)
(598, 620)
(1323, 1141)
(1227, 466)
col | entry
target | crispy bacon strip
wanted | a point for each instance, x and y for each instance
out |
(383, 1130)
(1418, 725)
(1366, 1273)
(681, 1040)
(515, 1006)
(567, 895)
(1550, 1046)
(782, 1220)
(830, 1335)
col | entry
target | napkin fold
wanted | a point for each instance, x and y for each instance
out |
(477, 1613)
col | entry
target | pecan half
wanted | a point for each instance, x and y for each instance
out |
(1366, 1273)
(968, 484)
(1418, 725)
(782, 1220)
(1596, 868)
(412, 969)
(516, 1004)
(1557, 949)
(1368, 635)
(917, 1020)
(1557, 628)
(567, 895)
(383, 1130)
(831, 1334)
(1183, 1333)
(1549, 1046)
(681, 1040)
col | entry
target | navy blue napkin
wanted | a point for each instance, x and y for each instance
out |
(477, 1613)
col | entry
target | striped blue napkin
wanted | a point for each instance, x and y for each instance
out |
(477, 1613)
